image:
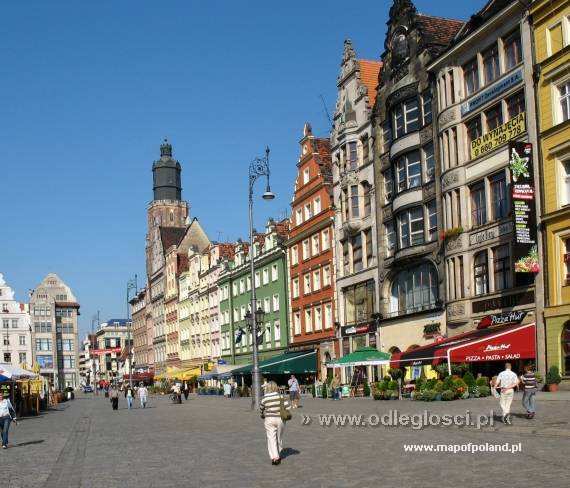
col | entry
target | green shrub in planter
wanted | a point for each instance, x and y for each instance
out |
(447, 395)
(366, 389)
(324, 390)
(429, 395)
(394, 395)
(430, 384)
(469, 381)
(377, 395)
(439, 386)
(484, 390)
(449, 383)
(393, 385)
(395, 373)
(388, 394)
(553, 376)
(418, 395)
(442, 370)
(483, 381)
(419, 384)
(460, 387)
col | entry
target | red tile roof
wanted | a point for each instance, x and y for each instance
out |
(171, 236)
(369, 71)
(438, 30)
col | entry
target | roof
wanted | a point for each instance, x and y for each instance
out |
(369, 71)
(171, 236)
(67, 304)
(480, 17)
(438, 30)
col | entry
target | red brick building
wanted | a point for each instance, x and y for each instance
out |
(310, 250)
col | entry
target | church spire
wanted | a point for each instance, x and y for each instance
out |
(166, 175)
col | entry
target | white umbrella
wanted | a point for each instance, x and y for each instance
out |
(9, 371)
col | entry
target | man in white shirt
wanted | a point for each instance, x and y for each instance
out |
(507, 382)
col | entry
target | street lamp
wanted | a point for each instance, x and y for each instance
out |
(131, 285)
(259, 167)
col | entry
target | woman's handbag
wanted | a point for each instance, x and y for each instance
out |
(283, 412)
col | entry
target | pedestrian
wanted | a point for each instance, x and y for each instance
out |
(507, 381)
(114, 395)
(143, 395)
(294, 391)
(129, 394)
(528, 379)
(227, 389)
(275, 410)
(186, 390)
(7, 416)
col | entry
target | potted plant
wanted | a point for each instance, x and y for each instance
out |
(553, 378)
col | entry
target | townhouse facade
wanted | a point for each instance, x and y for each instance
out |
(354, 197)
(139, 311)
(410, 273)
(310, 252)
(270, 280)
(485, 102)
(551, 30)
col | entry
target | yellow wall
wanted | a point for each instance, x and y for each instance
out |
(552, 52)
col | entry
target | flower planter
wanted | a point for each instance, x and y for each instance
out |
(552, 388)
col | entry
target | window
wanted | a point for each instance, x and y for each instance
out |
(564, 100)
(409, 171)
(22, 358)
(295, 255)
(235, 289)
(277, 331)
(306, 250)
(242, 286)
(43, 344)
(478, 205)
(411, 227)
(296, 323)
(326, 238)
(345, 257)
(298, 216)
(317, 205)
(368, 244)
(405, 117)
(359, 302)
(68, 362)
(432, 220)
(326, 276)
(356, 242)
(386, 136)
(274, 272)
(366, 197)
(502, 268)
(426, 108)
(555, 38)
(429, 162)
(480, 273)
(499, 207)
(307, 283)
(414, 290)
(316, 245)
(566, 183)
(14, 323)
(491, 69)
(471, 76)
(308, 320)
(390, 237)
(67, 345)
(513, 50)
(257, 279)
(494, 117)
(473, 129)
(247, 284)
(5, 323)
(317, 280)
(515, 104)
(388, 185)
(242, 312)
(318, 318)
(7, 357)
(365, 150)
(353, 156)
(295, 287)
(354, 201)
(305, 176)
(308, 211)
(22, 340)
(328, 316)
(267, 304)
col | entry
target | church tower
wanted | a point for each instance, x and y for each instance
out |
(166, 175)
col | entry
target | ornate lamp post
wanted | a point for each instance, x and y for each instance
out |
(131, 285)
(259, 167)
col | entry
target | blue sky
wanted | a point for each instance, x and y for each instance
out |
(89, 89)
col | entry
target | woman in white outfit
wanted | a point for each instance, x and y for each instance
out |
(271, 413)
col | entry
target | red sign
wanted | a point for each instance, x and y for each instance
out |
(516, 343)
(110, 350)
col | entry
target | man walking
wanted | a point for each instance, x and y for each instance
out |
(7, 416)
(528, 379)
(294, 391)
(143, 395)
(507, 381)
(129, 395)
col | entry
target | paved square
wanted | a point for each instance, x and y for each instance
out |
(215, 442)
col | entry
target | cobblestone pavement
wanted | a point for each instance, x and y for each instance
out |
(215, 442)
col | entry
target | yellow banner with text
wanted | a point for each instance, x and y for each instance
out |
(499, 136)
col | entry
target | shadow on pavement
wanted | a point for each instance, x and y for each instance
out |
(29, 443)
(289, 451)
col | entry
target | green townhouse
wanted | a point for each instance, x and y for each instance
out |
(271, 290)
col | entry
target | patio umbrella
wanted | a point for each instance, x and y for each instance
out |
(366, 356)
(7, 371)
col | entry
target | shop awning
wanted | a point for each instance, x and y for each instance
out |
(288, 363)
(366, 356)
(501, 343)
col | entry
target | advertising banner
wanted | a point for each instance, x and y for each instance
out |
(525, 252)
(499, 136)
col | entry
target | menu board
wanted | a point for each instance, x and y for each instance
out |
(525, 252)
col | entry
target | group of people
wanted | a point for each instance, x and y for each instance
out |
(504, 385)
(129, 392)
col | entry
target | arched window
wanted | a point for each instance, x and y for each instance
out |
(565, 339)
(413, 290)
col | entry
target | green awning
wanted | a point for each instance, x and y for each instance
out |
(366, 356)
(288, 363)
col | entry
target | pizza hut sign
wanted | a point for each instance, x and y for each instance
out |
(515, 317)
(499, 347)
